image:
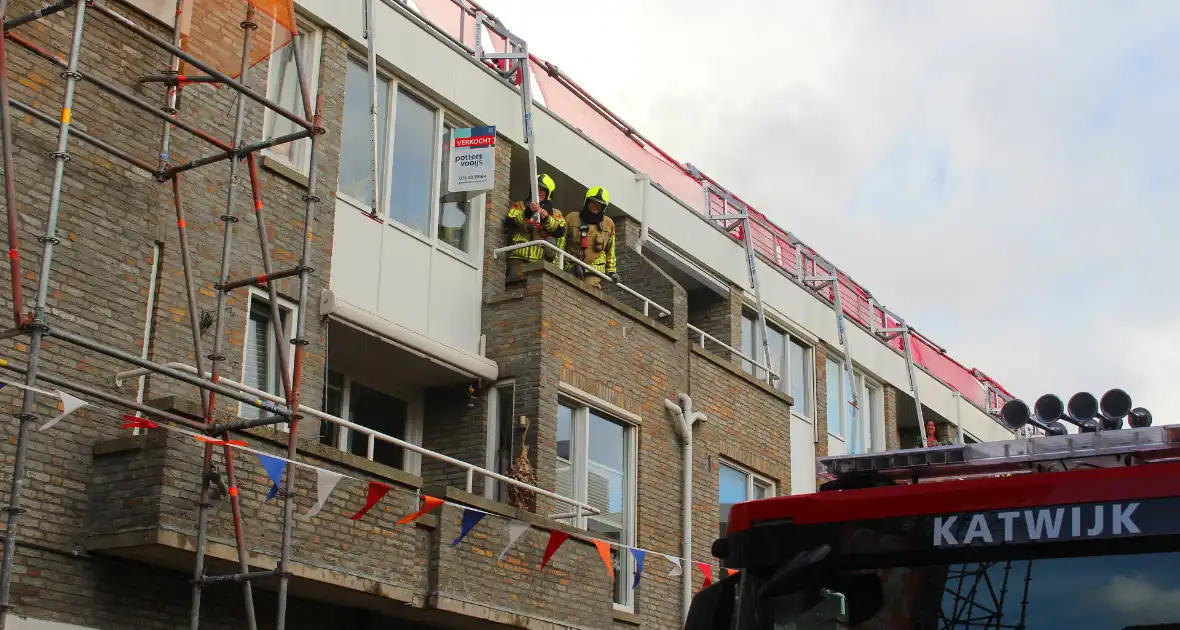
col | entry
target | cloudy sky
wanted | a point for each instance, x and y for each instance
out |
(1002, 173)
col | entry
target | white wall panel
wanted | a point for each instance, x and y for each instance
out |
(454, 313)
(404, 294)
(802, 456)
(836, 446)
(356, 257)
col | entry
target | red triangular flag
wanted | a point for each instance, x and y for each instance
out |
(201, 438)
(555, 540)
(708, 571)
(604, 551)
(376, 491)
(429, 503)
(138, 423)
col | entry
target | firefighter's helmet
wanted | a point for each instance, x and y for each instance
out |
(599, 194)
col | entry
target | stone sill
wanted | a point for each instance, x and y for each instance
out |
(740, 373)
(518, 292)
(284, 171)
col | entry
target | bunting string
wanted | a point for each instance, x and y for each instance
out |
(328, 480)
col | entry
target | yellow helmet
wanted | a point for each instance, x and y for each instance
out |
(599, 194)
(546, 182)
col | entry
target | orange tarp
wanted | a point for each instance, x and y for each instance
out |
(214, 34)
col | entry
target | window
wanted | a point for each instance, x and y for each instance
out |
(596, 465)
(789, 357)
(862, 429)
(356, 163)
(411, 168)
(260, 354)
(347, 399)
(735, 485)
(282, 86)
(454, 208)
(414, 137)
(501, 429)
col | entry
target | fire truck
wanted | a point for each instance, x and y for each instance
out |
(1060, 531)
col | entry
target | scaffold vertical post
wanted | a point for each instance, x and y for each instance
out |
(26, 418)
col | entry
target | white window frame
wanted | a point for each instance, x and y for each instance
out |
(783, 384)
(442, 117)
(411, 461)
(316, 34)
(751, 477)
(869, 393)
(289, 312)
(491, 487)
(581, 403)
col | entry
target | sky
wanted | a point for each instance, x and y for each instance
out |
(1001, 173)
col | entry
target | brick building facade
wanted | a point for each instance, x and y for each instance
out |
(109, 535)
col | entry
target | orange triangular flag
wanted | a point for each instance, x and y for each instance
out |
(731, 571)
(428, 504)
(604, 551)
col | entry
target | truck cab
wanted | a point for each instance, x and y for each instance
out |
(1075, 531)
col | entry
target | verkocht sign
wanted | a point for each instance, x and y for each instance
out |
(472, 163)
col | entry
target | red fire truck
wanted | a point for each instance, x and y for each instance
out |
(1074, 531)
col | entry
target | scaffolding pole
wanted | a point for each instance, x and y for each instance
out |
(816, 283)
(888, 333)
(26, 417)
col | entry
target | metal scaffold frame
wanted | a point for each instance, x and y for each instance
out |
(37, 326)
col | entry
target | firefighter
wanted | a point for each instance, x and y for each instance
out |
(534, 221)
(590, 237)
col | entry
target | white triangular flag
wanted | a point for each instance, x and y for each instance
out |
(678, 569)
(325, 483)
(69, 405)
(515, 529)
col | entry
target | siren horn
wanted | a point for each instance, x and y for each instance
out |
(1015, 414)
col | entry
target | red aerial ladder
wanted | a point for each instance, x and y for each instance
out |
(1077, 531)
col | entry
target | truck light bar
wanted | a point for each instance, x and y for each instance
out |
(1052, 452)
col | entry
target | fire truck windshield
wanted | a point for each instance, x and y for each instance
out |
(1080, 593)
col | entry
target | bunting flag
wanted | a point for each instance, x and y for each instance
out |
(708, 571)
(471, 518)
(133, 422)
(556, 538)
(376, 491)
(325, 483)
(677, 568)
(639, 554)
(515, 529)
(731, 571)
(274, 469)
(428, 504)
(604, 551)
(69, 404)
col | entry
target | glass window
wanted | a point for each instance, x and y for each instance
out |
(412, 169)
(799, 375)
(356, 161)
(283, 88)
(454, 208)
(735, 485)
(594, 454)
(749, 342)
(777, 361)
(835, 376)
(333, 405)
(347, 399)
(260, 356)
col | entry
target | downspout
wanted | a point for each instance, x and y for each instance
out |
(684, 420)
(644, 183)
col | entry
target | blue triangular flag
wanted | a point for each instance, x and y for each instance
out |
(471, 518)
(274, 468)
(639, 554)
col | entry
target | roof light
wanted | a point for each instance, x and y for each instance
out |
(1100, 449)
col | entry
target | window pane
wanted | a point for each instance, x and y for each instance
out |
(454, 208)
(356, 153)
(748, 343)
(835, 373)
(762, 489)
(413, 152)
(855, 418)
(283, 87)
(870, 414)
(333, 399)
(731, 489)
(605, 469)
(380, 412)
(256, 354)
(565, 439)
(777, 341)
(800, 376)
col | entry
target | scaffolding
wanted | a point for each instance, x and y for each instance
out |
(38, 327)
(974, 596)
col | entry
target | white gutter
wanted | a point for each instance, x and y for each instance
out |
(147, 325)
(685, 418)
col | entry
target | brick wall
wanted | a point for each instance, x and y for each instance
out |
(820, 352)
(892, 438)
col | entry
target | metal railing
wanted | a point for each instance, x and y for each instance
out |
(562, 255)
(771, 375)
(373, 436)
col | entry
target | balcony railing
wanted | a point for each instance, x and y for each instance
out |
(562, 256)
(771, 375)
(579, 507)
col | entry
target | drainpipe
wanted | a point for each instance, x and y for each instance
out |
(684, 419)
(644, 183)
